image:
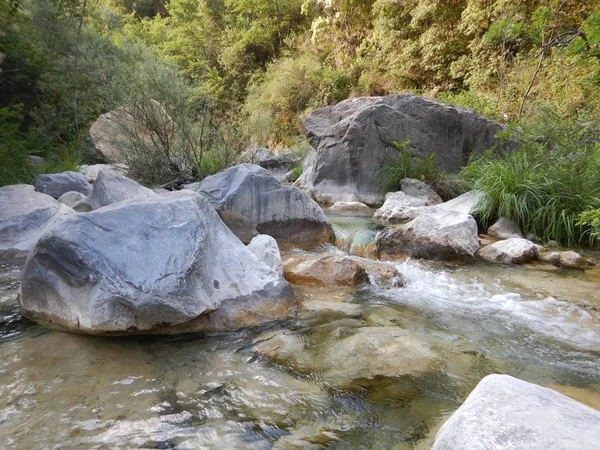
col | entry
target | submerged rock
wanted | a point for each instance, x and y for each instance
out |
(162, 264)
(514, 250)
(377, 352)
(505, 229)
(110, 188)
(434, 234)
(286, 348)
(57, 184)
(250, 201)
(353, 207)
(504, 412)
(24, 216)
(339, 271)
(417, 189)
(355, 137)
(265, 248)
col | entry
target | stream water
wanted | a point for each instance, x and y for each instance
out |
(214, 391)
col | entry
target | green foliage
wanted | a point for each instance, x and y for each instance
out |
(590, 219)
(15, 145)
(392, 172)
(545, 184)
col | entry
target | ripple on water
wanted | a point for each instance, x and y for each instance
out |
(214, 391)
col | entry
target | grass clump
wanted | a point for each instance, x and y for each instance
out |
(545, 184)
(393, 171)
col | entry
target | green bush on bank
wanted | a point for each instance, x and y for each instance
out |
(545, 184)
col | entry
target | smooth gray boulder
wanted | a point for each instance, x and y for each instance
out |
(434, 234)
(510, 251)
(265, 248)
(71, 198)
(467, 203)
(506, 413)
(24, 216)
(417, 189)
(399, 207)
(84, 205)
(505, 229)
(110, 188)
(161, 264)
(277, 166)
(251, 202)
(57, 184)
(355, 137)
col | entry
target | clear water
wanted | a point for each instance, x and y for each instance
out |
(60, 390)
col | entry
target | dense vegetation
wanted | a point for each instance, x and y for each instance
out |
(234, 73)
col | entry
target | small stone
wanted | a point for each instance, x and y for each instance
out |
(573, 260)
(71, 198)
(514, 250)
(550, 258)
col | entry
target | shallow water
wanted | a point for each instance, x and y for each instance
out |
(60, 390)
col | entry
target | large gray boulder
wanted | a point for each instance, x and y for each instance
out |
(57, 184)
(162, 264)
(24, 216)
(111, 188)
(434, 234)
(355, 137)
(505, 413)
(263, 157)
(250, 201)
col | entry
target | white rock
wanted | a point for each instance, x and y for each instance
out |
(434, 234)
(514, 250)
(468, 203)
(506, 413)
(265, 248)
(399, 207)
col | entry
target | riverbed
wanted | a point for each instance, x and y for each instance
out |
(215, 391)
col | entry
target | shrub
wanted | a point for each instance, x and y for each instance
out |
(547, 183)
(426, 170)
